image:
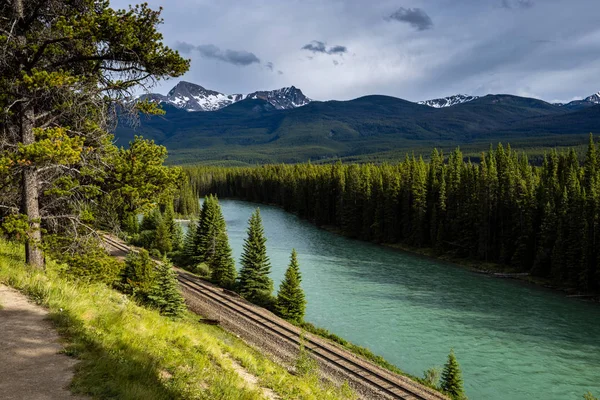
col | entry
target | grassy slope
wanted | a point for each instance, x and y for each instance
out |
(129, 352)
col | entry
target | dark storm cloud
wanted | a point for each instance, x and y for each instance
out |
(517, 3)
(337, 50)
(416, 17)
(317, 46)
(235, 57)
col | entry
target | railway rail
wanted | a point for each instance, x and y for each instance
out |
(392, 385)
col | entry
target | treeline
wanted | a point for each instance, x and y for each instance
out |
(541, 220)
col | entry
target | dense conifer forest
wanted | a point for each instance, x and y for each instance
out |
(542, 220)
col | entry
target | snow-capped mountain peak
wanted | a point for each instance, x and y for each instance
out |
(191, 97)
(578, 104)
(595, 98)
(448, 101)
(284, 98)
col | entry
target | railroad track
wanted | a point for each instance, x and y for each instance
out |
(394, 386)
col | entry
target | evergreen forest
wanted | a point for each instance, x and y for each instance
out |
(539, 220)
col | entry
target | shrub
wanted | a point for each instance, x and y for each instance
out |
(143, 239)
(432, 376)
(156, 254)
(88, 262)
(201, 270)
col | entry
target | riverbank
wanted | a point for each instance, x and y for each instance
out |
(494, 270)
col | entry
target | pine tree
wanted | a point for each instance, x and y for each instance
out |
(138, 275)
(164, 293)
(291, 303)
(254, 281)
(222, 264)
(205, 230)
(452, 382)
(162, 239)
(174, 228)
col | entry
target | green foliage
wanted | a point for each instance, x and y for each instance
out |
(15, 226)
(174, 229)
(164, 293)
(209, 224)
(201, 270)
(589, 396)
(62, 73)
(137, 278)
(207, 244)
(254, 281)
(130, 224)
(85, 261)
(291, 303)
(162, 238)
(452, 382)
(189, 246)
(186, 200)
(150, 220)
(432, 376)
(139, 180)
(222, 264)
(305, 364)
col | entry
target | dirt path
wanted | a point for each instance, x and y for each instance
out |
(251, 380)
(30, 364)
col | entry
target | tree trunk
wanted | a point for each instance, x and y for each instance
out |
(29, 195)
(29, 190)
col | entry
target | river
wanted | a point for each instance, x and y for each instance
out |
(513, 340)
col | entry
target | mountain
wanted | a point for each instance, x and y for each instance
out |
(579, 104)
(448, 101)
(191, 97)
(254, 130)
(282, 99)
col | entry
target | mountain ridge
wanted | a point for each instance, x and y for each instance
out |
(193, 97)
(253, 130)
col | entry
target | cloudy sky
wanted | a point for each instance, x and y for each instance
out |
(413, 49)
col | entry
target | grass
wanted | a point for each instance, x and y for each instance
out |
(129, 352)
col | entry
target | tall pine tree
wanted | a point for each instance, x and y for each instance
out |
(188, 252)
(452, 382)
(254, 281)
(291, 303)
(222, 264)
(164, 293)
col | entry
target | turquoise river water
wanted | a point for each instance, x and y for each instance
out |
(513, 340)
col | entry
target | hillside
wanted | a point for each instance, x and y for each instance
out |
(253, 130)
(126, 351)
